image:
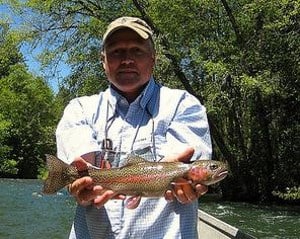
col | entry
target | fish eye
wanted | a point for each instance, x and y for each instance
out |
(213, 166)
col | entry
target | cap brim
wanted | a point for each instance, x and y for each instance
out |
(140, 32)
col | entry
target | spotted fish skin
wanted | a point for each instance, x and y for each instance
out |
(138, 177)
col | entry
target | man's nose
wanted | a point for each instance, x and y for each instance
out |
(127, 57)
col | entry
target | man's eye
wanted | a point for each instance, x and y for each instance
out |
(138, 52)
(133, 53)
(116, 53)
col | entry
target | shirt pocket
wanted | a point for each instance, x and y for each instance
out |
(143, 147)
(149, 148)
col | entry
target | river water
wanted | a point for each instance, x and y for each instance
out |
(26, 214)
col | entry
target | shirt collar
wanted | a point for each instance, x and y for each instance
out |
(148, 95)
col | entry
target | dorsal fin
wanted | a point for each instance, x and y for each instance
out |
(134, 159)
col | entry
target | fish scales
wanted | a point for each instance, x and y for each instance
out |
(148, 179)
(137, 177)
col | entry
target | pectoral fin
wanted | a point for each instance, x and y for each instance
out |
(181, 183)
(132, 202)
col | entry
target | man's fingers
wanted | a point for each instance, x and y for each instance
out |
(100, 200)
(169, 196)
(80, 190)
(120, 197)
(86, 193)
(201, 189)
(84, 190)
(80, 184)
(185, 192)
(80, 164)
(184, 157)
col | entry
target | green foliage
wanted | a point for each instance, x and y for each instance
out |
(26, 101)
(28, 118)
(42, 173)
(290, 194)
(8, 167)
(9, 51)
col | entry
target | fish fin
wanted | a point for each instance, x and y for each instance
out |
(181, 183)
(134, 159)
(90, 166)
(56, 179)
(133, 202)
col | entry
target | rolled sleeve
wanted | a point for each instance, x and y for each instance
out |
(74, 134)
(189, 127)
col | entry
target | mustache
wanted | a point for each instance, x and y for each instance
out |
(127, 69)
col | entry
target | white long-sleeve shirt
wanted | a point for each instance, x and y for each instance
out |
(160, 122)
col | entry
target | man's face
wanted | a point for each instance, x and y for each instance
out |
(128, 61)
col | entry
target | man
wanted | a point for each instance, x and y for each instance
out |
(134, 115)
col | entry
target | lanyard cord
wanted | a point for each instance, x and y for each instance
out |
(110, 120)
(137, 131)
(106, 145)
(152, 134)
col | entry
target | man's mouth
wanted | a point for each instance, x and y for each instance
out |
(127, 71)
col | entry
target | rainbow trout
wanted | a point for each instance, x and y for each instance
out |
(138, 178)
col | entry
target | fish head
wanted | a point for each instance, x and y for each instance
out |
(208, 172)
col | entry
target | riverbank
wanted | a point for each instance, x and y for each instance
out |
(26, 213)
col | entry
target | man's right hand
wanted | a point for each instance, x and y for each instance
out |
(85, 191)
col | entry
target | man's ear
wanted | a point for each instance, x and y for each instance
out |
(154, 59)
(102, 58)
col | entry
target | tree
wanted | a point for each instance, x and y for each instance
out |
(27, 116)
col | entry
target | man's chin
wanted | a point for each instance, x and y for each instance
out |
(127, 75)
(127, 82)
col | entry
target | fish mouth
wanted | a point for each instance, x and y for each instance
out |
(217, 177)
(222, 174)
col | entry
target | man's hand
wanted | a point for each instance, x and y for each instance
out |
(84, 190)
(183, 191)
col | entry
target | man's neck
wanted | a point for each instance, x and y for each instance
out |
(130, 96)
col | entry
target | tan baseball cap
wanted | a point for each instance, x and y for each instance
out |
(136, 24)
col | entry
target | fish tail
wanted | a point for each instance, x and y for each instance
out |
(57, 175)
